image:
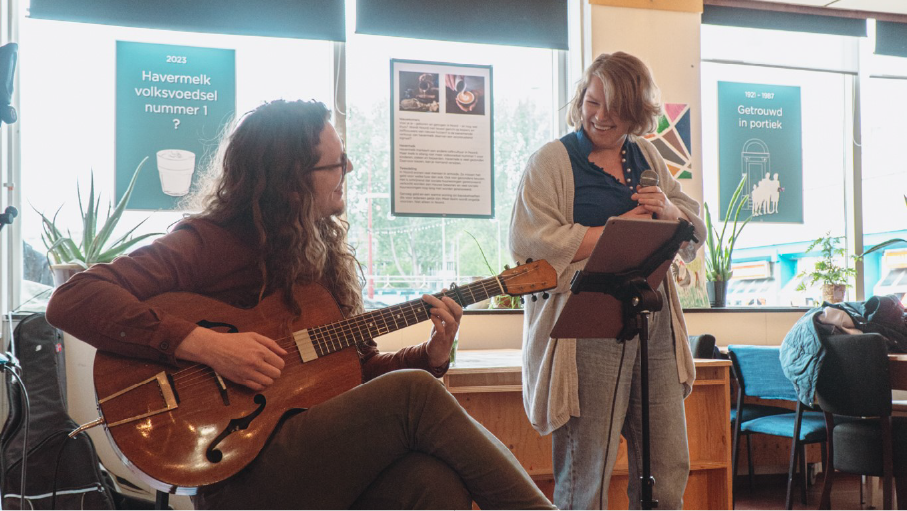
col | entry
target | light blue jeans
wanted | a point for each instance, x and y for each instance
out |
(586, 447)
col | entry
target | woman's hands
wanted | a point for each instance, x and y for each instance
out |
(445, 318)
(246, 358)
(652, 200)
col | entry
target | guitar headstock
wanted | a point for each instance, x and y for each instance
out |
(531, 277)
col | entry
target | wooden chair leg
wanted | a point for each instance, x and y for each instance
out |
(828, 463)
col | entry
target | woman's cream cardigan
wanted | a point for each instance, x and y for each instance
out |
(542, 227)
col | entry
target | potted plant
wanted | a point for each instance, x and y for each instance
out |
(720, 246)
(68, 257)
(834, 277)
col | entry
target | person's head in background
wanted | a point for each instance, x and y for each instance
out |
(616, 97)
(279, 176)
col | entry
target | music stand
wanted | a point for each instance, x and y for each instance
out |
(615, 293)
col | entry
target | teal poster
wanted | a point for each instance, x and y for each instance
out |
(760, 140)
(172, 103)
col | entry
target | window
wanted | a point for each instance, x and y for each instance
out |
(884, 172)
(67, 111)
(822, 67)
(403, 257)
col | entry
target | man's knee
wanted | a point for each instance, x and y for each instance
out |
(409, 380)
(416, 481)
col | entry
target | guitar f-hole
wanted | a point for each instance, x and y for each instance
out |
(214, 454)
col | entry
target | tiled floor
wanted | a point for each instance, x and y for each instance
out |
(770, 490)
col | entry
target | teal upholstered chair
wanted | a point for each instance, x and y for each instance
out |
(854, 381)
(759, 375)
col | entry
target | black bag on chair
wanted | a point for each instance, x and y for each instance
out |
(60, 472)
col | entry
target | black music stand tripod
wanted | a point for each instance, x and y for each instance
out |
(620, 279)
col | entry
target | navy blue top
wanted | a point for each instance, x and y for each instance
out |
(597, 195)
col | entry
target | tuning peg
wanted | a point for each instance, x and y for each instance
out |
(506, 266)
(545, 295)
(452, 285)
(529, 260)
(522, 301)
(535, 298)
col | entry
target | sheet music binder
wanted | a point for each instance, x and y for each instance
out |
(625, 244)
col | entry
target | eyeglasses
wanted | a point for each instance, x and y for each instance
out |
(344, 164)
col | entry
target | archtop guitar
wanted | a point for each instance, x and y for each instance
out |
(183, 427)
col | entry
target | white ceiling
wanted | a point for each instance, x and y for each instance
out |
(889, 6)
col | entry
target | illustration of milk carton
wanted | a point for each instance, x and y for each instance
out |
(175, 167)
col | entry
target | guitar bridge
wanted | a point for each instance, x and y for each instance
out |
(153, 396)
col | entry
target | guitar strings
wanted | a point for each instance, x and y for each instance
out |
(334, 335)
(200, 374)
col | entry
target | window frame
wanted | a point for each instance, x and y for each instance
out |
(853, 175)
(11, 254)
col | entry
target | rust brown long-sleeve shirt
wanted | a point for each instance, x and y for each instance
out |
(104, 307)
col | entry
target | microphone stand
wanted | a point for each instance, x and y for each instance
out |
(638, 300)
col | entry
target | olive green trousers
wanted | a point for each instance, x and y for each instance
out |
(400, 441)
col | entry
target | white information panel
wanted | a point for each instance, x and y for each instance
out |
(442, 140)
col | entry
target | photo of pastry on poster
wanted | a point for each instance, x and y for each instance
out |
(441, 139)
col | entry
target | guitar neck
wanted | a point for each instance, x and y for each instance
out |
(333, 337)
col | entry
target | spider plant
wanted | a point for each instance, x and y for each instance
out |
(95, 244)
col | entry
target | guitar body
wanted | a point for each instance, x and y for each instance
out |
(216, 427)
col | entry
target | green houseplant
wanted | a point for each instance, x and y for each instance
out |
(720, 246)
(67, 256)
(834, 278)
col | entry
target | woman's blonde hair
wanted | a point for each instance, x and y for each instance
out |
(263, 186)
(630, 92)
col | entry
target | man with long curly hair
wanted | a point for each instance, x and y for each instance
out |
(272, 223)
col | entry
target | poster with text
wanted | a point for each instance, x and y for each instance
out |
(172, 103)
(442, 145)
(760, 139)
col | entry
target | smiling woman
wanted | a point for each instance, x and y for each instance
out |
(600, 165)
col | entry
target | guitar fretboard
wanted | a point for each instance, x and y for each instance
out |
(336, 336)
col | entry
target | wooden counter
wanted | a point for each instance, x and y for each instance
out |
(488, 384)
